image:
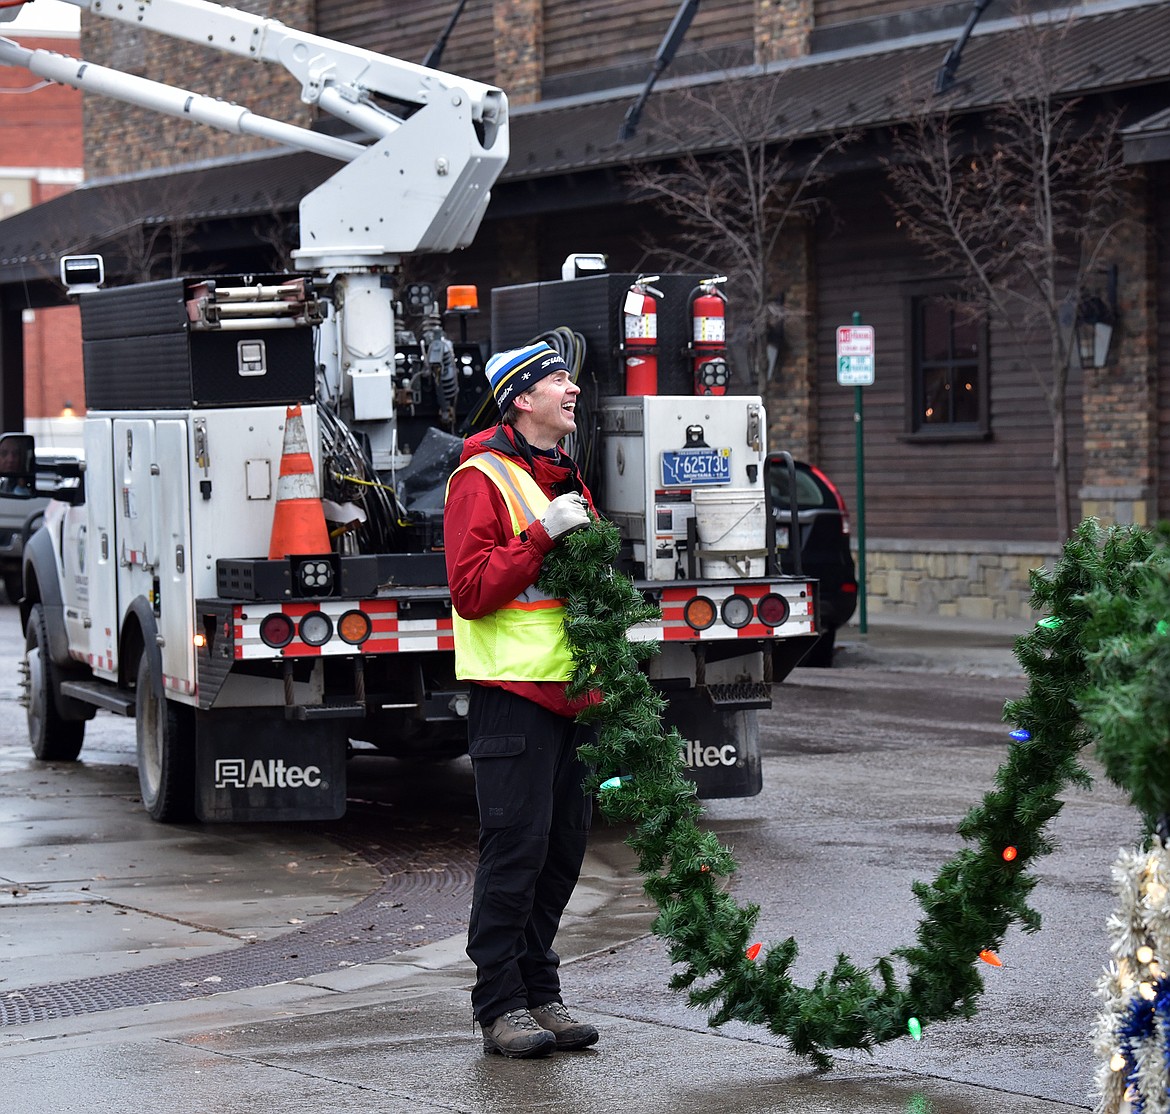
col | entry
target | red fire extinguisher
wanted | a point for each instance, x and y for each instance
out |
(709, 345)
(640, 311)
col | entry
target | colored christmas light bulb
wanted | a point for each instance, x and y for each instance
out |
(704, 869)
(988, 956)
(612, 783)
(1162, 626)
(914, 1028)
(1051, 623)
(1009, 854)
(753, 951)
(1144, 954)
(1021, 734)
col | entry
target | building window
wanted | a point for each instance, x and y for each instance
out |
(948, 391)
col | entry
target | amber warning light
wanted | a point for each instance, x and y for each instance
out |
(462, 299)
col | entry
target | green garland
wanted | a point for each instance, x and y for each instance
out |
(1126, 703)
(967, 909)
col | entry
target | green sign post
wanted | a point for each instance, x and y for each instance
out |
(855, 368)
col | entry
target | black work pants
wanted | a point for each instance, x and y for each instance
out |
(533, 822)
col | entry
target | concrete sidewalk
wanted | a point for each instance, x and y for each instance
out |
(963, 648)
(118, 896)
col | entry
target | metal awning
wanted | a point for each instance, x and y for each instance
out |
(1148, 140)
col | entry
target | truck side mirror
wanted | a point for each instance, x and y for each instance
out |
(18, 463)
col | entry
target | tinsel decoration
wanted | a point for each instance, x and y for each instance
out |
(1132, 1030)
(969, 907)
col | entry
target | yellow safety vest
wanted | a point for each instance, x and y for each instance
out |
(524, 640)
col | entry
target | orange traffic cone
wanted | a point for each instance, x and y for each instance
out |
(299, 523)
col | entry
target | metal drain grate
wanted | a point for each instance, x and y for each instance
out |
(423, 882)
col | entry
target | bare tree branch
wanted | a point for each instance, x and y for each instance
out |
(148, 223)
(1021, 211)
(735, 191)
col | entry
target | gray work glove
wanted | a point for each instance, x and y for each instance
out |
(565, 514)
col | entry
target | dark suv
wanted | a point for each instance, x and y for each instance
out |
(824, 544)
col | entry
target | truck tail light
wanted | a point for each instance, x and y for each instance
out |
(736, 611)
(277, 630)
(316, 628)
(354, 627)
(699, 613)
(772, 610)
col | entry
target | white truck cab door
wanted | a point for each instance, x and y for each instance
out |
(90, 560)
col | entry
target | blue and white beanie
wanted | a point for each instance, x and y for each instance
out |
(516, 370)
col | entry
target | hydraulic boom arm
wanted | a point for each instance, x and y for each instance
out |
(437, 142)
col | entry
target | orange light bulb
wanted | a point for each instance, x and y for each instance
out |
(753, 951)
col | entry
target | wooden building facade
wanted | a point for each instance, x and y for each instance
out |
(958, 509)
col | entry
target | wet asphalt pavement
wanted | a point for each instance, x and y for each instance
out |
(313, 968)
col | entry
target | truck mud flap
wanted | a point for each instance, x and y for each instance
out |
(254, 766)
(722, 749)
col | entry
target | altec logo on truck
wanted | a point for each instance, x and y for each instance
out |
(251, 562)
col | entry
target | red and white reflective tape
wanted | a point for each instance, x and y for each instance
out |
(178, 684)
(96, 661)
(673, 627)
(389, 635)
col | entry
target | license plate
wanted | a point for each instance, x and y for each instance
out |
(696, 467)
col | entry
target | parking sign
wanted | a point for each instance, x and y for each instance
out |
(855, 355)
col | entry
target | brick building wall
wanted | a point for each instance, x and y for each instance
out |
(1121, 399)
(519, 31)
(41, 158)
(124, 139)
(40, 132)
(783, 29)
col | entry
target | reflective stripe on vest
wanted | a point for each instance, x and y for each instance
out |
(524, 640)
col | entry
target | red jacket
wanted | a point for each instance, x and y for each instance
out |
(488, 565)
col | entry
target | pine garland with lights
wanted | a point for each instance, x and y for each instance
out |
(1126, 704)
(968, 908)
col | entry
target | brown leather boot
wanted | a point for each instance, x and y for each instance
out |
(569, 1032)
(518, 1035)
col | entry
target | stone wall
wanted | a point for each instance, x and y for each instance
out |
(978, 580)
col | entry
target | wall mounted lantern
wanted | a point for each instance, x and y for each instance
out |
(1096, 318)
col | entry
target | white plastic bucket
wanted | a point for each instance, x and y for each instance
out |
(731, 523)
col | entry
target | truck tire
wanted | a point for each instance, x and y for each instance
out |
(53, 737)
(165, 733)
(821, 655)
